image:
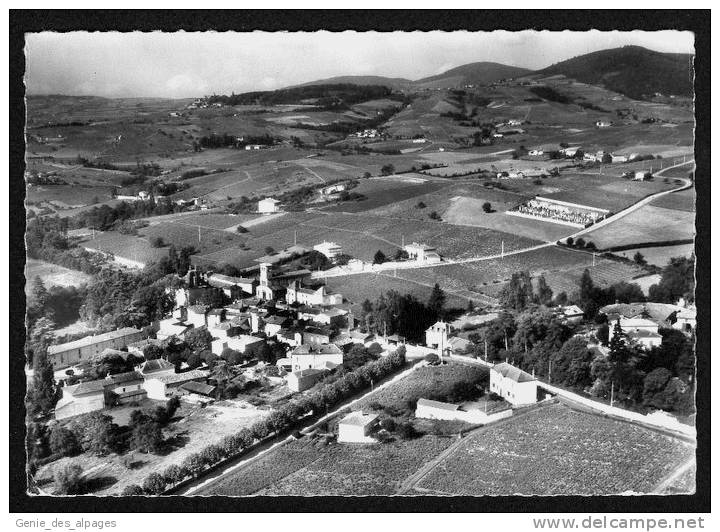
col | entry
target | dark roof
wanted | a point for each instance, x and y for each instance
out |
(317, 330)
(511, 372)
(87, 387)
(324, 349)
(91, 340)
(198, 387)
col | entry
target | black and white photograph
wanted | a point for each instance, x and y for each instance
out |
(360, 263)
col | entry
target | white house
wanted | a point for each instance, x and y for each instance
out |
(686, 319)
(422, 253)
(329, 249)
(162, 386)
(311, 296)
(239, 343)
(603, 123)
(81, 399)
(156, 368)
(514, 385)
(332, 189)
(573, 313)
(268, 206)
(570, 151)
(356, 427)
(126, 387)
(299, 381)
(437, 336)
(641, 175)
(171, 327)
(535, 153)
(196, 315)
(315, 357)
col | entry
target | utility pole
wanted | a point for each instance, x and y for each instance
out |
(612, 393)
(199, 235)
(506, 341)
(295, 240)
(486, 350)
(593, 259)
(502, 249)
(550, 371)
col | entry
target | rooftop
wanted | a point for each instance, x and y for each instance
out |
(324, 349)
(120, 378)
(91, 340)
(85, 388)
(358, 419)
(198, 387)
(182, 377)
(509, 371)
(159, 364)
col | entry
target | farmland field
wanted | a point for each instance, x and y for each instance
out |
(681, 201)
(646, 224)
(382, 191)
(554, 450)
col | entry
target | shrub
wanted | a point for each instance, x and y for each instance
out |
(194, 464)
(157, 242)
(63, 442)
(68, 480)
(406, 431)
(175, 473)
(487, 207)
(432, 358)
(154, 484)
(132, 490)
(388, 424)
(241, 229)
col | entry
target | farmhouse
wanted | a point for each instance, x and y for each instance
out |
(641, 331)
(198, 388)
(196, 315)
(315, 356)
(642, 175)
(570, 151)
(311, 296)
(232, 287)
(330, 249)
(67, 354)
(356, 427)
(437, 336)
(332, 189)
(156, 368)
(162, 386)
(422, 253)
(125, 387)
(171, 327)
(686, 319)
(513, 384)
(572, 313)
(239, 343)
(268, 206)
(603, 123)
(81, 399)
(299, 381)
(458, 346)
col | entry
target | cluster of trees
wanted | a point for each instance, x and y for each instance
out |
(677, 280)
(519, 293)
(46, 239)
(330, 94)
(346, 384)
(548, 93)
(105, 217)
(225, 140)
(59, 304)
(403, 314)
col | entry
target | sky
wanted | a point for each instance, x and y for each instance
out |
(187, 65)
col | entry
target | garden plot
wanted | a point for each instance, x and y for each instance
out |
(646, 224)
(554, 450)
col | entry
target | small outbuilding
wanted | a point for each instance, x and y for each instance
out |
(356, 427)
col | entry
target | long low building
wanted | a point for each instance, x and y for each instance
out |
(67, 354)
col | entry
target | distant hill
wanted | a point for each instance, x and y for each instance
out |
(393, 83)
(472, 74)
(631, 70)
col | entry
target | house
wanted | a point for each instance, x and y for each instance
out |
(226, 329)
(299, 381)
(422, 253)
(535, 153)
(240, 343)
(645, 339)
(171, 327)
(686, 319)
(514, 385)
(315, 356)
(126, 387)
(196, 315)
(570, 151)
(316, 336)
(437, 336)
(215, 317)
(232, 287)
(160, 387)
(638, 324)
(619, 158)
(330, 316)
(253, 147)
(332, 189)
(268, 206)
(572, 313)
(295, 293)
(155, 368)
(356, 427)
(290, 336)
(330, 249)
(603, 123)
(273, 324)
(81, 399)
(67, 354)
(642, 175)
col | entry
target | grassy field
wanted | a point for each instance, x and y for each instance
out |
(646, 224)
(69, 195)
(660, 256)
(52, 275)
(383, 191)
(554, 450)
(681, 201)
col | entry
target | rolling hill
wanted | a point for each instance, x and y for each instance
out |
(631, 70)
(393, 83)
(472, 74)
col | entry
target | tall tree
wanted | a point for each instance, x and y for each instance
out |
(43, 396)
(543, 293)
(436, 302)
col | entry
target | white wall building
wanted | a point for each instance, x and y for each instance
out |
(329, 249)
(437, 336)
(422, 252)
(268, 206)
(315, 357)
(514, 385)
(356, 427)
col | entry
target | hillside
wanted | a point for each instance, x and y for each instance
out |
(393, 83)
(631, 70)
(472, 74)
